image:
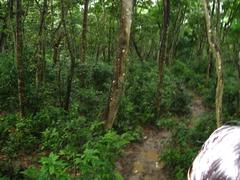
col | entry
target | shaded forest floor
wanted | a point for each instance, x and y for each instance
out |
(140, 161)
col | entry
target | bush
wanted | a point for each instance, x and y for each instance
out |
(16, 134)
(138, 104)
(8, 83)
(98, 159)
(185, 144)
(51, 168)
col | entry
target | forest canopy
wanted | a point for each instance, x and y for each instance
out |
(80, 80)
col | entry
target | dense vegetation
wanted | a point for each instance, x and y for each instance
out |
(76, 86)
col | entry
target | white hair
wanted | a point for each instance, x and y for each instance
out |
(219, 158)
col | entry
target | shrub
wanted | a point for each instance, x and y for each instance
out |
(98, 158)
(185, 144)
(51, 168)
(8, 82)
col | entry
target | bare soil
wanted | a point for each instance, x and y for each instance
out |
(197, 107)
(141, 161)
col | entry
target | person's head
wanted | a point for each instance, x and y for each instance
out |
(219, 157)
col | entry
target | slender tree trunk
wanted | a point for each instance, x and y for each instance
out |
(57, 63)
(119, 70)
(72, 58)
(3, 35)
(59, 81)
(136, 48)
(109, 39)
(19, 57)
(161, 55)
(132, 38)
(56, 43)
(209, 68)
(213, 43)
(40, 55)
(83, 46)
(175, 33)
(218, 19)
(224, 29)
(238, 69)
(97, 52)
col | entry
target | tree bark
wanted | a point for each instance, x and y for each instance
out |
(83, 46)
(132, 38)
(57, 63)
(3, 35)
(175, 33)
(119, 70)
(161, 59)
(19, 57)
(238, 69)
(110, 38)
(40, 55)
(209, 68)
(72, 58)
(213, 43)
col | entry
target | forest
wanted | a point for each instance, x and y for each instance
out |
(114, 89)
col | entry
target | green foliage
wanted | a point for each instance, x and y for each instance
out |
(138, 104)
(175, 98)
(166, 123)
(185, 144)
(8, 83)
(231, 91)
(94, 82)
(16, 133)
(189, 74)
(78, 136)
(51, 168)
(98, 158)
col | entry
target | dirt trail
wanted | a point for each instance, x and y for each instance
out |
(140, 161)
(197, 107)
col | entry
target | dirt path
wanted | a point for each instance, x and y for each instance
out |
(140, 161)
(197, 107)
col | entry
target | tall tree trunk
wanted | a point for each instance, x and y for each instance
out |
(175, 33)
(119, 70)
(213, 43)
(72, 57)
(209, 67)
(238, 69)
(19, 57)
(40, 55)
(3, 35)
(162, 54)
(57, 63)
(132, 38)
(218, 19)
(109, 50)
(138, 52)
(97, 52)
(83, 46)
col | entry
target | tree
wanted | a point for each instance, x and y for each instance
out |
(83, 46)
(214, 45)
(40, 54)
(119, 69)
(72, 56)
(19, 57)
(161, 58)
